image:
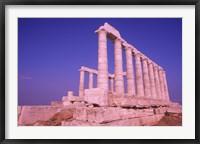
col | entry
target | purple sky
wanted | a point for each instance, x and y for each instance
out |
(52, 50)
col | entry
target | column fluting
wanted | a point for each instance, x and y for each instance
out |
(102, 77)
(129, 71)
(139, 77)
(152, 81)
(119, 80)
(147, 89)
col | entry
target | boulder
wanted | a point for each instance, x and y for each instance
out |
(31, 114)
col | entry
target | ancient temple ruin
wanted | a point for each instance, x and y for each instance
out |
(145, 102)
(149, 85)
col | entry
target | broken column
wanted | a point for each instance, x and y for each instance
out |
(90, 80)
(81, 84)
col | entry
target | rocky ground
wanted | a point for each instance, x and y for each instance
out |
(170, 119)
(84, 114)
(66, 116)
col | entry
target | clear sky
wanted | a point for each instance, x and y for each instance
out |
(52, 50)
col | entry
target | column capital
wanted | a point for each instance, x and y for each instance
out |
(160, 68)
(136, 52)
(127, 46)
(118, 39)
(81, 70)
(149, 61)
(155, 66)
(90, 72)
(101, 29)
(143, 57)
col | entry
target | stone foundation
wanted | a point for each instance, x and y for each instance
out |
(85, 114)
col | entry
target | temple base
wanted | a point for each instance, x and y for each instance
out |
(97, 96)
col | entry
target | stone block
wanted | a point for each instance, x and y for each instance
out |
(78, 104)
(151, 120)
(74, 98)
(31, 114)
(97, 96)
(124, 122)
(67, 103)
(174, 110)
(160, 110)
(56, 103)
(65, 98)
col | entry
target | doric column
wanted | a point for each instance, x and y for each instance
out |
(158, 91)
(112, 84)
(152, 81)
(102, 78)
(119, 80)
(129, 71)
(166, 86)
(81, 84)
(147, 89)
(139, 79)
(161, 83)
(90, 80)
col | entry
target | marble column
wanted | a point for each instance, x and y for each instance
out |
(157, 82)
(147, 90)
(90, 80)
(119, 80)
(139, 78)
(81, 83)
(102, 78)
(166, 86)
(112, 84)
(129, 71)
(160, 74)
(152, 81)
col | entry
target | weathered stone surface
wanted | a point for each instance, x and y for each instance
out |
(124, 122)
(56, 103)
(160, 110)
(104, 115)
(19, 108)
(65, 98)
(174, 108)
(142, 121)
(136, 102)
(57, 118)
(97, 96)
(78, 104)
(67, 103)
(74, 98)
(78, 123)
(151, 120)
(31, 114)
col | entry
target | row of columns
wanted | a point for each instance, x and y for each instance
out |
(90, 82)
(151, 82)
